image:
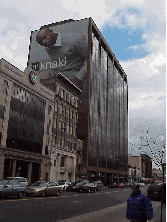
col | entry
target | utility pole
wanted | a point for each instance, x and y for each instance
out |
(163, 186)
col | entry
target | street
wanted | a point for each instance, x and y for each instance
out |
(67, 205)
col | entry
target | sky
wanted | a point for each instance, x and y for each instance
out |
(135, 30)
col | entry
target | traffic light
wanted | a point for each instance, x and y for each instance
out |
(155, 174)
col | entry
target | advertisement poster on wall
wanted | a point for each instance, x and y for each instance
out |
(61, 48)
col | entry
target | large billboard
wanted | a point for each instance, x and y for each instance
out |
(61, 48)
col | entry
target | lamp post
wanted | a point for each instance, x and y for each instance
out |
(163, 186)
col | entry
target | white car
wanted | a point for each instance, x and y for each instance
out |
(23, 181)
(64, 185)
(141, 184)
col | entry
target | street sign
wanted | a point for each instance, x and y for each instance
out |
(53, 155)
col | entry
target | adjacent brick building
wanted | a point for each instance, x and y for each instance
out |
(143, 163)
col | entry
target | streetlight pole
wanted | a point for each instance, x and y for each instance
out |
(163, 186)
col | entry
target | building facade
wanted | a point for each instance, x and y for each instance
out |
(26, 112)
(82, 55)
(143, 163)
(107, 136)
(65, 119)
(33, 119)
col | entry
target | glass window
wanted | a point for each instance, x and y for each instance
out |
(2, 108)
(49, 109)
(56, 106)
(47, 131)
(4, 86)
(46, 150)
(62, 161)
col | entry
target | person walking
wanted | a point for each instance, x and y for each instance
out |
(139, 207)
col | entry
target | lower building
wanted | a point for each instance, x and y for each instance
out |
(34, 119)
(143, 163)
(65, 120)
(26, 119)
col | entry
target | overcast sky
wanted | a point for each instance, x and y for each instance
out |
(135, 31)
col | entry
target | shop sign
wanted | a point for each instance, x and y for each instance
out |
(54, 152)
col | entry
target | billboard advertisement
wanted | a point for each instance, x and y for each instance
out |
(61, 48)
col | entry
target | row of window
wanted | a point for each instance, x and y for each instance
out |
(65, 111)
(63, 142)
(66, 96)
(27, 97)
(65, 127)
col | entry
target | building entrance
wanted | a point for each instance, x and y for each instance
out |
(8, 167)
(35, 172)
(21, 168)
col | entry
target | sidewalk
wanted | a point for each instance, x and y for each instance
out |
(115, 214)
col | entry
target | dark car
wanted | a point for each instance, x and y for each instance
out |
(113, 185)
(74, 186)
(87, 187)
(154, 192)
(12, 188)
(99, 185)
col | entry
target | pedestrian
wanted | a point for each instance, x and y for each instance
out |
(139, 207)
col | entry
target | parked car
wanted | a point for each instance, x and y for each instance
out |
(43, 188)
(12, 188)
(121, 185)
(154, 192)
(64, 185)
(99, 185)
(21, 180)
(87, 187)
(141, 184)
(127, 184)
(74, 186)
(113, 185)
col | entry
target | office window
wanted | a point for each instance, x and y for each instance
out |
(68, 128)
(49, 109)
(4, 86)
(46, 150)
(2, 108)
(62, 161)
(47, 130)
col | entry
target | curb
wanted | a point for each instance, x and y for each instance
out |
(114, 214)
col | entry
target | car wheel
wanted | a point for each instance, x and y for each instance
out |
(43, 193)
(58, 193)
(20, 195)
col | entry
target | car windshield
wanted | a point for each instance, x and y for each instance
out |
(9, 178)
(2, 182)
(39, 183)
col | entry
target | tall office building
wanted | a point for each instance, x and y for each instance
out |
(77, 49)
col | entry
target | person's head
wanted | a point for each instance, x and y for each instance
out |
(46, 37)
(135, 189)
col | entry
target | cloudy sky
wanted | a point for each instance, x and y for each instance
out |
(135, 31)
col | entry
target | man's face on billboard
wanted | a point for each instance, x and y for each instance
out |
(45, 37)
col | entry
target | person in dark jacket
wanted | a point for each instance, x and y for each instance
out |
(139, 207)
